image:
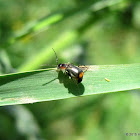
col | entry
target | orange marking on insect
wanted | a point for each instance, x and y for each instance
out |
(81, 74)
(63, 67)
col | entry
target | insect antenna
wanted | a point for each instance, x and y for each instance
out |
(56, 57)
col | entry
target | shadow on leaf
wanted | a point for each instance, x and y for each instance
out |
(71, 85)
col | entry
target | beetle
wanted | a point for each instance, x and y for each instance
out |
(73, 71)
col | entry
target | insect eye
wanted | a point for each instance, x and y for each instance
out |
(59, 65)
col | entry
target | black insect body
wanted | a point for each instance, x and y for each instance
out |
(73, 71)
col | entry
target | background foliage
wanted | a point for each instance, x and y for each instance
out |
(82, 32)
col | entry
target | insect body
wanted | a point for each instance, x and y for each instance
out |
(73, 71)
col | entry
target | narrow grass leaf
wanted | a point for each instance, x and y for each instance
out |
(45, 85)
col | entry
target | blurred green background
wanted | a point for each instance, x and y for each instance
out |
(82, 32)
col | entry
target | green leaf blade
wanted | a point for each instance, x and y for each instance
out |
(46, 85)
